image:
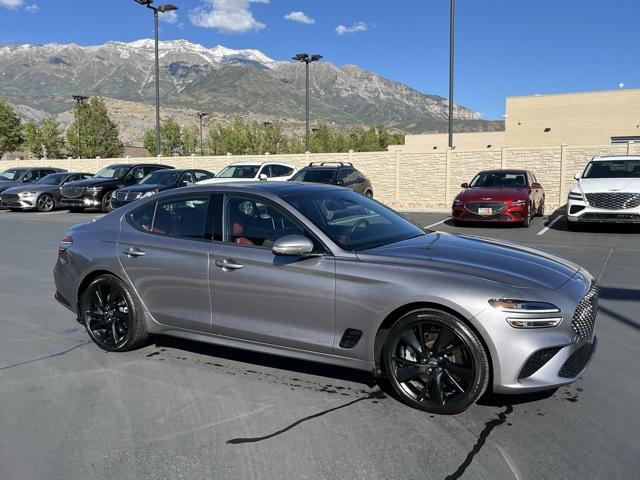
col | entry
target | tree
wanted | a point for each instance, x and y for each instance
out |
(190, 140)
(44, 140)
(10, 129)
(170, 139)
(93, 133)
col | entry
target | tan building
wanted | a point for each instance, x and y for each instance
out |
(584, 118)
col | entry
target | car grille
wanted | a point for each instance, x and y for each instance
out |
(127, 196)
(584, 318)
(72, 192)
(496, 207)
(614, 200)
(578, 360)
(10, 198)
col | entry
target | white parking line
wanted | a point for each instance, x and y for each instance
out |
(438, 223)
(551, 224)
(55, 212)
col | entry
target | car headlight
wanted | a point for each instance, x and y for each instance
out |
(528, 314)
(148, 194)
(457, 201)
(28, 194)
(575, 196)
(518, 203)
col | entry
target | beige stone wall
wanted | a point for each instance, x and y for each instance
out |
(409, 180)
(439, 141)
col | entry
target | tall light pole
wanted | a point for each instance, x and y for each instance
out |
(201, 115)
(160, 9)
(452, 25)
(307, 59)
(80, 99)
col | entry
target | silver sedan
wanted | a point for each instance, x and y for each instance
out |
(321, 273)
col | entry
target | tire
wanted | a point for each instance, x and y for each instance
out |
(527, 219)
(105, 205)
(118, 325)
(45, 203)
(368, 194)
(460, 374)
(76, 209)
(540, 212)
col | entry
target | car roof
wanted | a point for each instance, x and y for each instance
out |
(276, 188)
(258, 164)
(504, 170)
(118, 165)
(605, 158)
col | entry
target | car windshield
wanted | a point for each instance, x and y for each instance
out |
(53, 179)
(113, 171)
(11, 174)
(324, 175)
(239, 171)
(499, 180)
(160, 178)
(613, 169)
(352, 221)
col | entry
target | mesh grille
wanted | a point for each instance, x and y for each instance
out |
(72, 192)
(578, 360)
(584, 318)
(614, 200)
(537, 361)
(496, 207)
(10, 198)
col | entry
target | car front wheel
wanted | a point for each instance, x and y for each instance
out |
(45, 203)
(435, 362)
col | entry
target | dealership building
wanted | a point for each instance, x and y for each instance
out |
(583, 118)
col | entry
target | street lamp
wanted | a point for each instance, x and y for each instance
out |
(307, 59)
(160, 9)
(80, 99)
(452, 15)
(201, 115)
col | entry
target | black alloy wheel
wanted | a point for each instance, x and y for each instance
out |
(45, 203)
(435, 362)
(105, 206)
(111, 315)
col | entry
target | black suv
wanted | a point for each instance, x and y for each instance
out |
(343, 174)
(96, 192)
(158, 181)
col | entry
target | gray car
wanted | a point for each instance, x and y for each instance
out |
(321, 273)
(43, 195)
(13, 177)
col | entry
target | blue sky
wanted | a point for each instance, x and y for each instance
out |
(504, 47)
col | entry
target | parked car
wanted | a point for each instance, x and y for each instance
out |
(158, 181)
(505, 196)
(253, 171)
(321, 273)
(43, 195)
(96, 192)
(343, 174)
(13, 177)
(608, 190)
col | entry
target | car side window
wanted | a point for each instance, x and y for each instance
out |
(181, 217)
(281, 170)
(345, 173)
(266, 170)
(249, 221)
(201, 175)
(69, 179)
(142, 218)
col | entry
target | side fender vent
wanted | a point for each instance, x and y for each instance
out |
(350, 338)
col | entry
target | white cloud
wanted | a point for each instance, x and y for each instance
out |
(168, 17)
(299, 17)
(356, 27)
(33, 8)
(228, 16)
(11, 4)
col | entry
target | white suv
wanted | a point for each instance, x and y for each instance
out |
(253, 171)
(607, 191)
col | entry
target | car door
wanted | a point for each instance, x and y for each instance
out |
(165, 252)
(260, 297)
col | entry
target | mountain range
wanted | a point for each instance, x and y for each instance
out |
(39, 80)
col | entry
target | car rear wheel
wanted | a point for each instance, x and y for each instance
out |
(45, 203)
(435, 362)
(112, 316)
(527, 218)
(540, 212)
(105, 206)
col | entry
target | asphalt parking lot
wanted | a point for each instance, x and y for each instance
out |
(178, 409)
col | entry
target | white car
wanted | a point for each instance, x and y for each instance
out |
(607, 191)
(253, 171)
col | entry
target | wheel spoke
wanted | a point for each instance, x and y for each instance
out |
(407, 373)
(437, 394)
(101, 303)
(425, 389)
(453, 380)
(445, 337)
(97, 321)
(409, 338)
(465, 373)
(406, 362)
(114, 332)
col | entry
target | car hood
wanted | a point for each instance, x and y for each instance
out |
(487, 259)
(97, 182)
(495, 194)
(147, 187)
(32, 187)
(598, 185)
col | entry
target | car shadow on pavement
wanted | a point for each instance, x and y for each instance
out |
(491, 399)
(488, 225)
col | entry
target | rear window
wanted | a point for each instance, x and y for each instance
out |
(323, 175)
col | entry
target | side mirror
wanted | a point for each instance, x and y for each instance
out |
(577, 176)
(263, 176)
(186, 183)
(465, 185)
(536, 185)
(292, 246)
(339, 182)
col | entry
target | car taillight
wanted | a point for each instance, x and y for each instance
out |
(65, 243)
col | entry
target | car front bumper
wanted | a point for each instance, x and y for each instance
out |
(18, 203)
(581, 211)
(86, 201)
(512, 214)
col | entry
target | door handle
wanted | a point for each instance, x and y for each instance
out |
(134, 252)
(228, 265)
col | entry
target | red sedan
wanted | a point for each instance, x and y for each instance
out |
(505, 196)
